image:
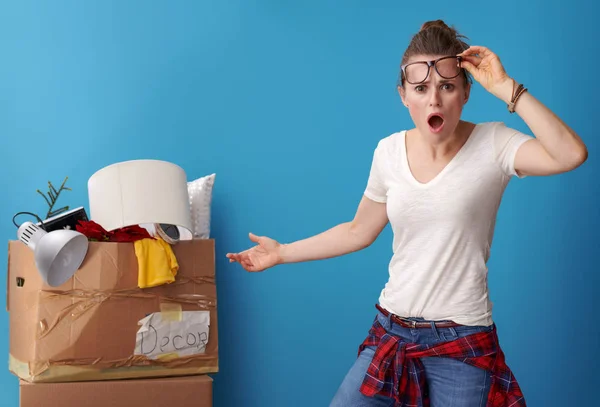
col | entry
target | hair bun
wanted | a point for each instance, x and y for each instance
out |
(436, 24)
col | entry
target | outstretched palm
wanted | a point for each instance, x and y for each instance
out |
(260, 257)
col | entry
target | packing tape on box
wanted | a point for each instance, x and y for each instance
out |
(171, 311)
(36, 368)
(84, 300)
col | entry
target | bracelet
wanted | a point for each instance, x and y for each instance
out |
(515, 96)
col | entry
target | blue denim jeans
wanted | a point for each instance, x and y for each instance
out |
(451, 383)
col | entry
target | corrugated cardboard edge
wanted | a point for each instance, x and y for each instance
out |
(199, 378)
(214, 255)
(8, 277)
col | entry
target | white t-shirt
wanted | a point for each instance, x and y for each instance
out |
(443, 229)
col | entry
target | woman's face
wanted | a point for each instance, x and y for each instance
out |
(435, 105)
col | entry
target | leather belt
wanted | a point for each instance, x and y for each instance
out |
(407, 323)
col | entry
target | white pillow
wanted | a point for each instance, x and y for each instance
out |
(200, 193)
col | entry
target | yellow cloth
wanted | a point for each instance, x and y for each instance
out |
(157, 263)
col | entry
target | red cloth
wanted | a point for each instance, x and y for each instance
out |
(397, 372)
(95, 232)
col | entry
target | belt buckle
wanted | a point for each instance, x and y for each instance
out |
(410, 322)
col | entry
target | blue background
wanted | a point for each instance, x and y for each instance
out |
(285, 101)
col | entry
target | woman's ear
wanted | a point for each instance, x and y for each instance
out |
(467, 93)
(402, 94)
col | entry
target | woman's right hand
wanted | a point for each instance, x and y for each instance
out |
(266, 253)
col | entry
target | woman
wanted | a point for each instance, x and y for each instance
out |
(433, 341)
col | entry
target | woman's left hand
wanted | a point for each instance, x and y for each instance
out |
(486, 68)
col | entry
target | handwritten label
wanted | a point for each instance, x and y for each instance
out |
(160, 335)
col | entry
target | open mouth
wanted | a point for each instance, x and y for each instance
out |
(435, 121)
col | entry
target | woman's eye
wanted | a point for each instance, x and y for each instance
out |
(447, 86)
(420, 88)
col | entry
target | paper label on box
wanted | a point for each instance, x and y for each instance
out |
(160, 335)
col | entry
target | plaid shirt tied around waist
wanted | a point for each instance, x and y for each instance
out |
(397, 372)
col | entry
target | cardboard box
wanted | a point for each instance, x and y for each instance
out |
(191, 391)
(87, 328)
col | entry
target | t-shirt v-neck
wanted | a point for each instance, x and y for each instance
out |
(448, 167)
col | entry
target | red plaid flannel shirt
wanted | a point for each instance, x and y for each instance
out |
(397, 372)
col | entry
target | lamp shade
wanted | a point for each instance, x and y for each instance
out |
(57, 254)
(140, 192)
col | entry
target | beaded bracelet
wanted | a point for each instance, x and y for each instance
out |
(516, 95)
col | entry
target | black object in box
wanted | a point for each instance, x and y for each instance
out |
(66, 220)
